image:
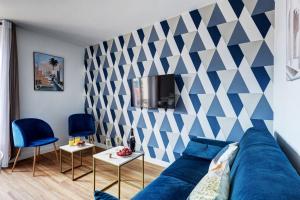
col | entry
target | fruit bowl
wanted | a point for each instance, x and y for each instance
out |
(124, 152)
(80, 143)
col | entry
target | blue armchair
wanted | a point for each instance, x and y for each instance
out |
(82, 125)
(32, 132)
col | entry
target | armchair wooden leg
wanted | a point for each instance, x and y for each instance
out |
(55, 152)
(16, 159)
(34, 160)
(38, 154)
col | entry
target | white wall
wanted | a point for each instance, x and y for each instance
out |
(53, 107)
(286, 93)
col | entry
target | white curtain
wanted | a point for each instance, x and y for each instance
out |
(5, 45)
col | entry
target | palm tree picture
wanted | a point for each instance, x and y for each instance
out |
(53, 62)
(48, 72)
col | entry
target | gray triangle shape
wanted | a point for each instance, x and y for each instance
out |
(131, 42)
(113, 47)
(166, 52)
(264, 57)
(180, 68)
(122, 60)
(238, 85)
(142, 56)
(216, 63)
(215, 109)
(197, 87)
(216, 17)
(181, 28)
(153, 36)
(153, 70)
(238, 36)
(131, 73)
(197, 44)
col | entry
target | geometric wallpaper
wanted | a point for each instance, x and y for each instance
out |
(222, 59)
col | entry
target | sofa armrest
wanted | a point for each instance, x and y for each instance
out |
(211, 141)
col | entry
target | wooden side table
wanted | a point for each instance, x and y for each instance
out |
(117, 161)
(72, 150)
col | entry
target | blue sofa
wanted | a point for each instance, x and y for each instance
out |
(260, 171)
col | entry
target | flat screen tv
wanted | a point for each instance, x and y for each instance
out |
(153, 92)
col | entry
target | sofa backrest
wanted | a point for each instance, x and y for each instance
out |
(262, 171)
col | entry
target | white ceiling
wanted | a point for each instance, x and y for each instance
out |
(86, 22)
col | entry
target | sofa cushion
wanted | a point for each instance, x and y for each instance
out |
(261, 170)
(188, 169)
(165, 188)
(201, 150)
(214, 185)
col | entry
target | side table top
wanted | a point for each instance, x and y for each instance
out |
(75, 148)
(115, 159)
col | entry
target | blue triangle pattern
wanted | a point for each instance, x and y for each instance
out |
(216, 63)
(196, 60)
(141, 35)
(216, 17)
(180, 68)
(180, 107)
(263, 24)
(153, 70)
(165, 64)
(195, 102)
(197, 44)
(238, 36)
(179, 146)
(152, 118)
(181, 28)
(131, 42)
(141, 122)
(152, 141)
(214, 124)
(166, 52)
(195, 15)
(215, 108)
(261, 76)
(165, 26)
(153, 35)
(165, 126)
(236, 133)
(165, 157)
(196, 129)
(214, 79)
(141, 134)
(236, 103)
(238, 85)
(264, 57)
(263, 6)
(263, 110)
(179, 121)
(236, 54)
(197, 87)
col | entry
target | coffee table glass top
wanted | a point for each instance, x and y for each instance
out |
(115, 159)
(76, 148)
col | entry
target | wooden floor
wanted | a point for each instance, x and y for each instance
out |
(49, 183)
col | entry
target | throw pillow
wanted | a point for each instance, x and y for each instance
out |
(228, 153)
(201, 150)
(214, 185)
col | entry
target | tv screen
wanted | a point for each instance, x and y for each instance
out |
(153, 92)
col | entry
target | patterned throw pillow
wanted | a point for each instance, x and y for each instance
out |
(214, 185)
(227, 154)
